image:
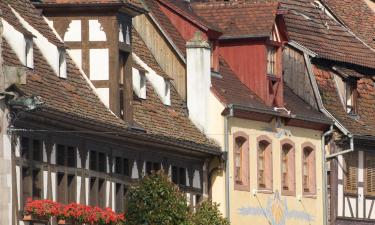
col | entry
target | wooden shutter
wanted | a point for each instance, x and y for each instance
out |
(351, 178)
(370, 173)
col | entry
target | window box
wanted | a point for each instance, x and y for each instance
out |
(34, 218)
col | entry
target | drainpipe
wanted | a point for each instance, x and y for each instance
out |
(351, 149)
(324, 185)
(226, 150)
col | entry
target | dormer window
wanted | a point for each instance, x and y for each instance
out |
(351, 97)
(167, 92)
(62, 64)
(29, 52)
(139, 83)
(271, 60)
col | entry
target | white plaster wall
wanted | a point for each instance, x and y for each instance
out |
(76, 55)
(54, 186)
(16, 40)
(360, 189)
(103, 95)
(18, 179)
(340, 188)
(198, 85)
(99, 64)
(107, 196)
(87, 190)
(79, 180)
(96, 32)
(45, 181)
(158, 82)
(49, 50)
(113, 196)
(74, 31)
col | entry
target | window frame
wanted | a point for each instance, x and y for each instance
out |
(271, 60)
(269, 168)
(351, 86)
(312, 171)
(291, 167)
(244, 184)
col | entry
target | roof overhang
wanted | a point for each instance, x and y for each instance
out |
(263, 115)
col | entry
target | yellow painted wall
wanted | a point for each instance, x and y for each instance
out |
(249, 209)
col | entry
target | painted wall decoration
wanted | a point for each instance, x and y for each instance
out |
(276, 211)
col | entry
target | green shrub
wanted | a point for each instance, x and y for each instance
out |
(156, 201)
(208, 213)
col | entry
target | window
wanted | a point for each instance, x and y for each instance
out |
(287, 168)
(62, 64)
(37, 184)
(29, 52)
(167, 92)
(25, 150)
(264, 164)
(351, 176)
(179, 175)
(26, 185)
(151, 167)
(102, 197)
(98, 161)
(121, 191)
(66, 155)
(308, 169)
(351, 97)
(93, 191)
(241, 161)
(271, 61)
(370, 173)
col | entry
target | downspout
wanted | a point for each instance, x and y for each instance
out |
(226, 150)
(324, 184)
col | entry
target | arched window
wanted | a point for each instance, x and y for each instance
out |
(264, 163)
(241, 161)
(308, 169)
(287, 167)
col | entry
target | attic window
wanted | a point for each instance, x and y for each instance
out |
(142, 85)
(167, 92)
(351, 97)
(62, 63)
(29, 52)
(271, 60)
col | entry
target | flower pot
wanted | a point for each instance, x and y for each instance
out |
(33, 218)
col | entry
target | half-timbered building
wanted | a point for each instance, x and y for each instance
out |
(87, 110)
(341, 67)
(238, 95)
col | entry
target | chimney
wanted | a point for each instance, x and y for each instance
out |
(198, 62)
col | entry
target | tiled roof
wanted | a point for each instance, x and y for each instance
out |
(72, 96)
(11, 18)
(230, 90)
(31, 15)
(140, 49)
(364, 123)
(158, 118)
(171, 121)
(185, 8)
(136, 3)
(358, 16)
(312, 28)
(239, 19)
(74, 99)
(166, 25)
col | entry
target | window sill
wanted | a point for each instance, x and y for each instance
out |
(241, 187)
(308, 195)
(288, 193)
(265, 191)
